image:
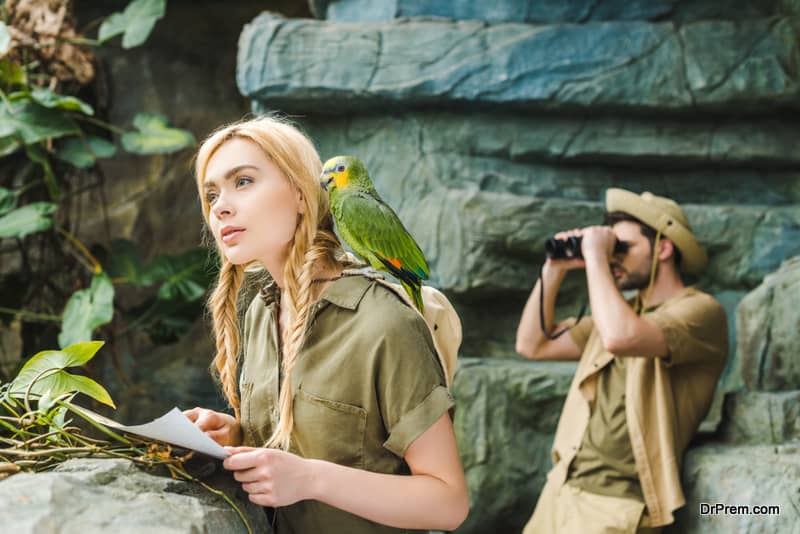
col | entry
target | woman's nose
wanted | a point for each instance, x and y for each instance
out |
(221, 207)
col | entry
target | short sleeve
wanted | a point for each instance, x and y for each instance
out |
(410, 382)
(580, 331)
(695, 328)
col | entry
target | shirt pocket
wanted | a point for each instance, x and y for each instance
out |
(329, 430)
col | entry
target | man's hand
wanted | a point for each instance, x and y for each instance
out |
(598, 243)
(221, 427)
(271, 477)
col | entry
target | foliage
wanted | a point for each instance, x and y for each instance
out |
(37, 438)
(52, 135)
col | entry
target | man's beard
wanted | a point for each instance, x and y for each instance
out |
(636, 280)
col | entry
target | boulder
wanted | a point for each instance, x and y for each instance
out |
(576, 11)
(94, 496)
(298, 65)
(752, 417)
(767, 325)
(505, 420)
(741, 476)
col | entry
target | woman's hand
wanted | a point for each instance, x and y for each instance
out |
(271, 477)
(221, 427)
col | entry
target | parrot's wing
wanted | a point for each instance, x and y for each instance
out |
(371, 225)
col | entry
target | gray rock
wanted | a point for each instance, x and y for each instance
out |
(547, 12)
(768, 323)
(505, 419)
(298, 65)
(758, 475)
(761, 417)
(113, 495)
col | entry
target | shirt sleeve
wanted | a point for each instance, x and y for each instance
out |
(410, 381)
(581, 330)
(695, 328)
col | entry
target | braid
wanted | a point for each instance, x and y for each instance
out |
(222, 303)
(298, 278)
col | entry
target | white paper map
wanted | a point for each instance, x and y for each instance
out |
(172, 427)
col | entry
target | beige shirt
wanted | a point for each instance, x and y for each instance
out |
(366, 384)
(665, 399)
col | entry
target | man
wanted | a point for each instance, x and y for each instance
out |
(646, 373)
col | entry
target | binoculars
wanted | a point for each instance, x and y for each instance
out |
(570, 248)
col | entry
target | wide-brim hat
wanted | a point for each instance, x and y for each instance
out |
(664, 215)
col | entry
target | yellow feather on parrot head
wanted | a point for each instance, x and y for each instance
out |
(342, 172)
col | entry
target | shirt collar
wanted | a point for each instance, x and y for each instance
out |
(345, 292)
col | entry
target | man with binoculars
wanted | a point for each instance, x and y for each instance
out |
(647, 367)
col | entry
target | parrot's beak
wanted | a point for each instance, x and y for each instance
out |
(325, 180)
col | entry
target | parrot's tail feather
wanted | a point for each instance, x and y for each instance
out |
(415, 292)
(401, 274)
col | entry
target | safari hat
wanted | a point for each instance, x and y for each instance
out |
(665, 216)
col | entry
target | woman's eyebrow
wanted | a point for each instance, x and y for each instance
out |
(228, 175)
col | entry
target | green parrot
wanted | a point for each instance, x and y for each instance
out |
(371, 228)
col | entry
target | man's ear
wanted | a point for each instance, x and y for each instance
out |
(666, 249)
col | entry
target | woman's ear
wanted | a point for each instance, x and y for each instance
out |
(301, 206)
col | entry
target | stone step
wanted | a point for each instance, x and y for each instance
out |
(715, 65)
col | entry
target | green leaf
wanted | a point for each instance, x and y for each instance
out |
(49, 99)
(86, 310)
(8, 200)
(185, 277)
(5, 38)
(8, 145)
(11, 73)
(29, 219)
(135, 22)
(47, 370)
(124, 262)
(34, 123)
(155, 136)
(83, 153)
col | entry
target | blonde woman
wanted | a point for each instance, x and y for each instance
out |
(340, 410)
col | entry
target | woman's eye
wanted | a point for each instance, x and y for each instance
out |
(243, 180)
(211, 197)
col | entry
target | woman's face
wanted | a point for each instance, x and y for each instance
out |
(253, 207)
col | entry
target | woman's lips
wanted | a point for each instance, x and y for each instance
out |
(231, 237)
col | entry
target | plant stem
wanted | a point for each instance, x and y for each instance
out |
(31, 316)
(96, 268)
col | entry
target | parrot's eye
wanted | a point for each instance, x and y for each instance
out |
(340, 168)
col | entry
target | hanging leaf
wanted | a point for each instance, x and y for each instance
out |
(134, 23)
(86, 310)
(38, 154)
(34, 123)
(47, 370)
(83, 153)
(123, 261)
(49, 99)
(185, 277)
(5, 38)
(8, 200)
(29, 219)
(155, 136)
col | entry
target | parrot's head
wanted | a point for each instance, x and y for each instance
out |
(345, 172)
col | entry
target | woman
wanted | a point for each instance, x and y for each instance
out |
(341, 415)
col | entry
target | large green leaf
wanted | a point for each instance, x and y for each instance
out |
(34, 123)
(185, 277)
(83, 153)
(49, 99)
(124, 262)
(135, 22)
(8, 145)
(155, 136)
(86, 310)
(8, 200)
(5, 38)
(47, 370)
(29, 219)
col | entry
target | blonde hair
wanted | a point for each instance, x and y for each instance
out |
(314, 245)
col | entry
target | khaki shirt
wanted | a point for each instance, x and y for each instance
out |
(366, 384)
(665, 399)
